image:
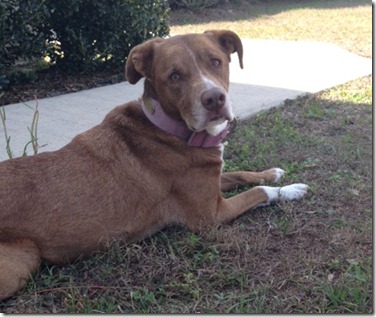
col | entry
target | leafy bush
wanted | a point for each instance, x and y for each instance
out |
(3, 79)
(94, 33)
(21, 35)
(77, 35)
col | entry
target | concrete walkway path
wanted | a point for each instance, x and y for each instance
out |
(273, 72)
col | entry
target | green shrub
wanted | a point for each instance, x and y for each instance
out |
(97, 33)
(21, 35)
(3, 79)
(77, 35)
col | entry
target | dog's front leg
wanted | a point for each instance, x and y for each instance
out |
(233, 180)
(231, 208)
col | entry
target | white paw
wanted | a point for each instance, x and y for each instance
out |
(293, 191)
(279, 173)
(289, 192)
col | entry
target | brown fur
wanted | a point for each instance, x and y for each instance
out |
(124, 178)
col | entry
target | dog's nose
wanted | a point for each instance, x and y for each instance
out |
(213, 99)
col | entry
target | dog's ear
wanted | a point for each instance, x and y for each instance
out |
(229, 42)
(139, 61)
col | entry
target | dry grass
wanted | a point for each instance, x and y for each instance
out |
(356, 91)
(346, 23)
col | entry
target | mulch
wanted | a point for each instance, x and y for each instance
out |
(54, 82)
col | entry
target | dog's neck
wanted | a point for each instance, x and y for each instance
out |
(155, 113)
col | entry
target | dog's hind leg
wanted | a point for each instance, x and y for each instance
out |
(233, 180)
(17, 261)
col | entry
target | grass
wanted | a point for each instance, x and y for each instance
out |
(33, 131)
(357, 92)
(346, 23)
(311, 256)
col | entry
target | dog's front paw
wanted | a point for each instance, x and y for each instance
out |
(292, 192)
(289, 192)
(278, 173)
(272, 175)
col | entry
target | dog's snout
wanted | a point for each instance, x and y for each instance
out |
(213, 99)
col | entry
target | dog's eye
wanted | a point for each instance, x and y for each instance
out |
(175, 77)
(215, 62)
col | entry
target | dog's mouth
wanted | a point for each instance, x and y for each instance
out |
(220, 117)
(217, 118)
(214, 126)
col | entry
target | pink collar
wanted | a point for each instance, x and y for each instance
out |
(155, 113)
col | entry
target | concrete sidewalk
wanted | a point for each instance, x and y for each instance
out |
(273, 72)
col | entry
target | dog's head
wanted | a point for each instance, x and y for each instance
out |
(189, 76)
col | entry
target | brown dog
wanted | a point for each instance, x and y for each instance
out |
(150, 163)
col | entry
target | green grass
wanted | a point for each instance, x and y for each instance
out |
(347, 287)
(311, 256)
(356, 92)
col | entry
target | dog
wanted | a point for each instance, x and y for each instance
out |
(152, 162)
